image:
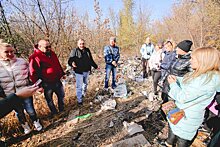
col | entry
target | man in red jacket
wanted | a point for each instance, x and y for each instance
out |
(44, 65)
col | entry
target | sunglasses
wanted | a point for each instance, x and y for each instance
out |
(47, 47)
(9, 52)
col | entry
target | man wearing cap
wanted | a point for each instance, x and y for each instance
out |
(146, 52)
(180, 67)
(112, 55)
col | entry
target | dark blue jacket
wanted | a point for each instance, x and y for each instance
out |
(111, 54)
(168, 60)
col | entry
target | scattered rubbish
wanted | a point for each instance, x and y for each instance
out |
(72, 114)
(84, 116)
(76, 137)
(138, 140)
(139, 79)
(108, 105)
(144, 93)
(120, 91)
(132, 128)
(111, 124)
(151, 96)
(148, 113)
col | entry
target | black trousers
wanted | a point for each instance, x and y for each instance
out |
(177, 141)
(156, 76)
(145, 68)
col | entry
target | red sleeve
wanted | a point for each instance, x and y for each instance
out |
(34, 68)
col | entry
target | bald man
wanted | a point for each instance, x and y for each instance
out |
(44, 65)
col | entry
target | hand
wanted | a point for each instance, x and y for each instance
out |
(63, 77)
(74, 64)
(27, 91)
(114, 63)
(171, 79)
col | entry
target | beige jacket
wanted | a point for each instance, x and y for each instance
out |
(13, 75)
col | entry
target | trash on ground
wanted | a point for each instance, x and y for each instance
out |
(132, 128)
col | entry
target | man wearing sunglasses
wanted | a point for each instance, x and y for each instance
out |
(44, 65)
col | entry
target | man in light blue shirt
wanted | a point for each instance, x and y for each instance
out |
(146, 52)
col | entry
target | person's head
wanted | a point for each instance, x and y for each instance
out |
(204, 60)
(168, 46)
(183, 47)
(158, 46)
(112, 41)
(147, 41)
(81, 44)
(6, 51)
(44, 46)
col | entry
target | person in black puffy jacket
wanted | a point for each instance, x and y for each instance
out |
(179, 67)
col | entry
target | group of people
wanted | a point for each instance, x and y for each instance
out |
(185, 76)
(17, 75)
(189, 78)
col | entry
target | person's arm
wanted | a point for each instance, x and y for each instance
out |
(34, 69)
(6, 104)
(108, 55)
(92, 61)
(183, 94)
(11, 101)
(142, 50)
(72, 57)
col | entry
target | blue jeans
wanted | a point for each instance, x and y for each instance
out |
(81, 85)
(108, 69)
(57, 88)
(29, 107)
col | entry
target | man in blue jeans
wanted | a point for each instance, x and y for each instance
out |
(111, 54)
(81, 60)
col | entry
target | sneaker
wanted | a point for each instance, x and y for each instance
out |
(37, 125)
(80, 104)
(26, 128)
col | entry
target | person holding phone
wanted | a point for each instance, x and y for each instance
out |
(44, 64)
(194, 90)
(13, 100)
(13, 77)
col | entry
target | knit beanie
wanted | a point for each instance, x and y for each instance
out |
(185, 45)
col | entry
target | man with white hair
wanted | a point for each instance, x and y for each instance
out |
(81, 60)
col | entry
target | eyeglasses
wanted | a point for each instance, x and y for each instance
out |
(47, 47)
(81, 43)
(9, 52)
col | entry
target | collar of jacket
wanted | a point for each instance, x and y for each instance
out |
(186, 56)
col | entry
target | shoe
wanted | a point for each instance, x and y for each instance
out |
(164, 143)
(167, 144)
(26, 128)
(80, 103)
(37, 125)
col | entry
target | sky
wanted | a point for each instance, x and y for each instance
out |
(158, 8)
